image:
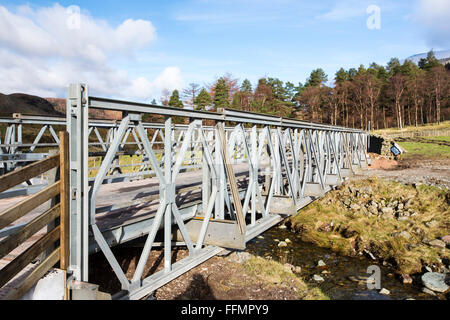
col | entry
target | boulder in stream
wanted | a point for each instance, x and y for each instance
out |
(435, 281)
(318, 278)
(282, 244)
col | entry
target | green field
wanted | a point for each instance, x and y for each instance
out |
(438, 147)
(439, 138)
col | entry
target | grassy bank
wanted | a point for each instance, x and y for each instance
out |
(428, 150)
(276, 274)
(389, 221)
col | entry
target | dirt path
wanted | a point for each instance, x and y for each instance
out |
(413, 170)
(219, 278)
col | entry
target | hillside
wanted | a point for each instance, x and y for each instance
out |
(33, 105)
(26, 104)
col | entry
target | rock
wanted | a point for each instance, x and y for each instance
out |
(437, 243)
(282, 244)
(239, 256)
(435, 281)
(387, 213)
(321, 263)
(384, 291)
(400, 206)
(403, 234)
(373, 210)
(282, 227)
(432, 224)
(287, 241)
(387, 210)
(260, 237)
(318, 278)
(355, 207)
(406, 279)
(325, 272)
(428, 291)
(446, 239)
(289, 266)
(297, 269)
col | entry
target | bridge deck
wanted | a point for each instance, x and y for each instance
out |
(119, 204)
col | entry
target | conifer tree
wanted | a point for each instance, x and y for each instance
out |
(221, 95)
(203, 100)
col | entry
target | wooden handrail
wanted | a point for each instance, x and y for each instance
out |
(14, 178)
(13, 241)
(26, 257)
(24, 207)
(57, 214)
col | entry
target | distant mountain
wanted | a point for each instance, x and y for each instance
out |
(26, 104)
(32, 105)
(442, 56)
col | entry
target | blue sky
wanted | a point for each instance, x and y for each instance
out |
(199, 40)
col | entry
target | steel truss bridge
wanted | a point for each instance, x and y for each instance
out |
(197, 186)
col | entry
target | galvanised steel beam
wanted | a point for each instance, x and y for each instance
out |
(15, 151)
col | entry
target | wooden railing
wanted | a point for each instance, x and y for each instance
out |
(56, 236)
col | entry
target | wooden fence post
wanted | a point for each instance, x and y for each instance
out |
(65, 201)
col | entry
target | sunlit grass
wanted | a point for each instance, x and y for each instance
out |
(375, 233)
(275, 272)
(425, 149)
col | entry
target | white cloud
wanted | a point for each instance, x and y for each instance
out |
(169, 79)
(40, 53)
(434, 15)
(345, 10)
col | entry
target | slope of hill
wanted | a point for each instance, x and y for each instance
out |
(26, 104)
(33, 105)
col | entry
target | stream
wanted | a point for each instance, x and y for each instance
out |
(337, 285)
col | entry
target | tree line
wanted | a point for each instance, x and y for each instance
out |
(378, 97)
